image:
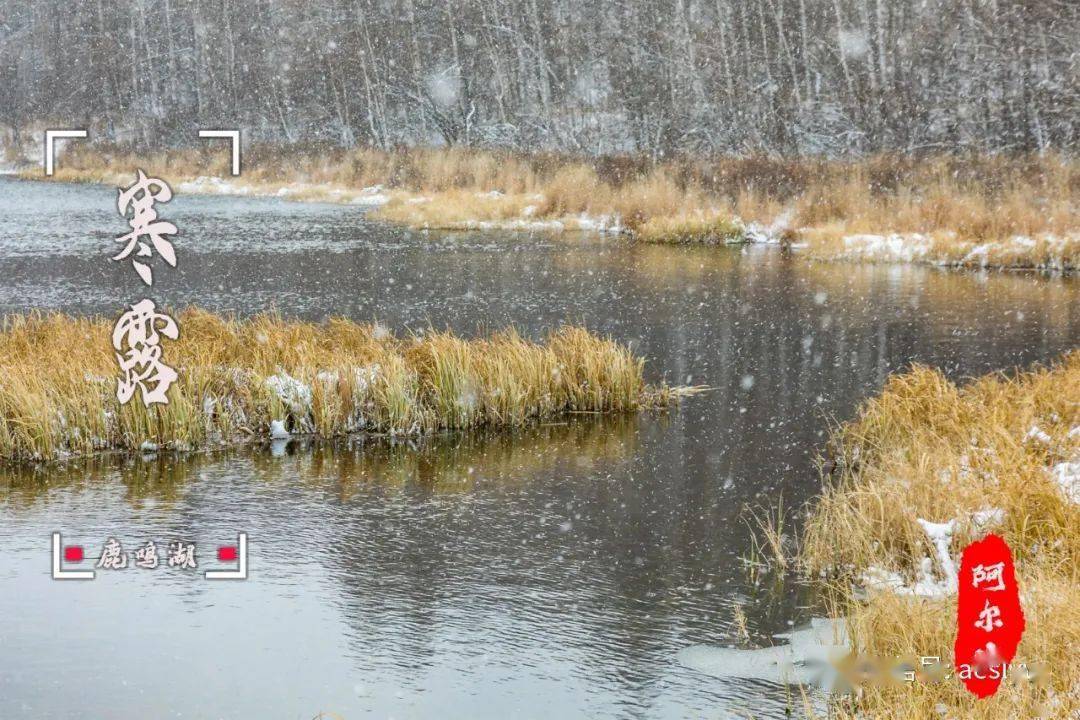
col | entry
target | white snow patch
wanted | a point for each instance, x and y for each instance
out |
(278, 431)
(205, 185)
(371, 196)
(926, 584)
(979, 253)
(295, 394)
(516, 225)
(1036, 433)
(983, 520)
(599, 223)
(366, 376)
(905, 248)
(1067, 476)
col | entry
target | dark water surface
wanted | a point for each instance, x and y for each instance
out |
(553, 572)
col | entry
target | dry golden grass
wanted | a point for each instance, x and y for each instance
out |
(926, 448)
(969, 210)
(348, 378)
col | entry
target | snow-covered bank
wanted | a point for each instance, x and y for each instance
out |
(999, 454)
(373, 196)
(1043, 252)
(940, 535)
(496, 211)
(1067, 476)
(265, 376)
(472, 190)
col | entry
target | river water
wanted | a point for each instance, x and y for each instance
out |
(551, 572)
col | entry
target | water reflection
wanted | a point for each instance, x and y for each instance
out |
(475, 570)
(449, 462)
(555, 570)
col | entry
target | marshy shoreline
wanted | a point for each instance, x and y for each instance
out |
(267, 377)
(969, 212)
(926, 467)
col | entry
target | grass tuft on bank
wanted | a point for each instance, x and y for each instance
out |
(964, 211)
(57, 383)
(998, 454)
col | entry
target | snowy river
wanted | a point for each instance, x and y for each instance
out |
(554, 572)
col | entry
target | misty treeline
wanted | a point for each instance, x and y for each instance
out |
(592, 76)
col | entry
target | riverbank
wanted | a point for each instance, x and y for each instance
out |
(268, 377)
(983, 212)
(927, 467)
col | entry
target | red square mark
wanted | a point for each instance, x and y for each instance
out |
(73, 553)
(226, 553)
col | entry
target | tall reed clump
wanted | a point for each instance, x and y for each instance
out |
(57, 382)
(966, 210)
(999, 454)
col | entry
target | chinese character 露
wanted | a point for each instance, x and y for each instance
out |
(135, 339)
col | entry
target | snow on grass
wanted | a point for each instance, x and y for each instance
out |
(372, 196)
(327, 380)
(940, 536)
(1067, 476)
(278, 431)
(599, 223)
(295, 395)
(522, 225)
(894, 248)
(206, 185)
(1045, 252)
(926, 585)
(1036, 433)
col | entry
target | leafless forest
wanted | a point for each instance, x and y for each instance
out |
(790, 77)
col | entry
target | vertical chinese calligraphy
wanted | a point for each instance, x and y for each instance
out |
(135, 339)
(140, 199)
(989, 618)
(137, 334)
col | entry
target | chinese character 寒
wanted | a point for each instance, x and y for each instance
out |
(144, 222)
